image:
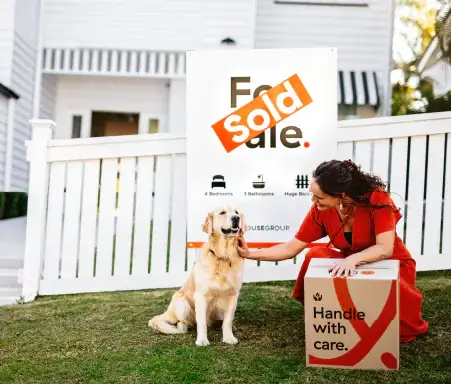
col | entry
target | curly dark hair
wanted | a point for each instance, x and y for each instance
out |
(336, 177)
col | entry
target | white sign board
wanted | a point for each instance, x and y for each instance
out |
(258, 123)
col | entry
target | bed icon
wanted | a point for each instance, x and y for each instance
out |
(218, 182)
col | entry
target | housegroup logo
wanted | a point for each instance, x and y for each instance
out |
(261, 113)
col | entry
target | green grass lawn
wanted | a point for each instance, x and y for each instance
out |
(103, 338)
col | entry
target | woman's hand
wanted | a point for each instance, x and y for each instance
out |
(344, 267)
(279, 252)
(242, 248)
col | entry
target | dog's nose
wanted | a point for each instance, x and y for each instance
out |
(235, 220)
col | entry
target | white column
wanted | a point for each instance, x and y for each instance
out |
(38, 65)
(37, 150)
(176, 107)
(386, 95)
(86, 124)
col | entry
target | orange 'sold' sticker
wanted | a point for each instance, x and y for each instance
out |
(261, 113)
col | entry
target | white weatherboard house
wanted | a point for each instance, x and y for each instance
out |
(98, 72)
(436, 68)
(18, 55)
(115, 67)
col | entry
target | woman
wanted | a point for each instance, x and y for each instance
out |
(352, 208)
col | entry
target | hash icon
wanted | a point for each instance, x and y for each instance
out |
(302, 181)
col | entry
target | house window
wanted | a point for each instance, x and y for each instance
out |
(114, 123)
(347, 112)
(76, 126)
(153, 126)
(343, 3)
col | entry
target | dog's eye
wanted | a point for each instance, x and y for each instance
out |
(236, 212)
(222, 213)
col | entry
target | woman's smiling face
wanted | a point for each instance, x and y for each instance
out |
(322, 200)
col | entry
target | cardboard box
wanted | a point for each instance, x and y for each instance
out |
(352, 322)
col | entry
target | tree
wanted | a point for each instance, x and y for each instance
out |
(443, 29)
(416, 25)
(439, 103)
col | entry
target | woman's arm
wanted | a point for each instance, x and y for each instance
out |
(383, 249)
(384, 223)
(278, 252)
(311, 229)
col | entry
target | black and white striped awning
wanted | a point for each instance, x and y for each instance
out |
(358, 88)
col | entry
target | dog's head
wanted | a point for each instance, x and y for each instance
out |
(224, 221)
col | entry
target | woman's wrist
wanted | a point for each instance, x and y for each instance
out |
(355, 258)
(360, 258)
(252, 254)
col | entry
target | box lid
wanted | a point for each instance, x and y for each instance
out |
(380, 270)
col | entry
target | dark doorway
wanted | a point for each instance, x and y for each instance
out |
(114, 124)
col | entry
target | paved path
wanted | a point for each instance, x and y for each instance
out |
(12, 248)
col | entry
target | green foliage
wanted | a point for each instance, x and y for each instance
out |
(411, 92)
(402, 100)
(439, 104)
(2, 204)
(414, 94)
(13, 204)
(408, 99)
(418, 16)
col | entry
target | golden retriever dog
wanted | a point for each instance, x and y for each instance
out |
(212, 289)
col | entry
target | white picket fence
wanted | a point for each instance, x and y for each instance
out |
(109, 213)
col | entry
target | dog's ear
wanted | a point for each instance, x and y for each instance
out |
(207, 226)
(242, 224)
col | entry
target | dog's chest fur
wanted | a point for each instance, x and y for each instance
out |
(222, 267)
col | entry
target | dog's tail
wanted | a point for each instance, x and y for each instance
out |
(160, 324)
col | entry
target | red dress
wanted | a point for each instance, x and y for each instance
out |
(368, 222)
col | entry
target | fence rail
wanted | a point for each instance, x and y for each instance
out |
(110, 213)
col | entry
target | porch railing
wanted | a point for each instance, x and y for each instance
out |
(113, 62)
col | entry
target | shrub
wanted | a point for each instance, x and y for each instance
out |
(13, 204)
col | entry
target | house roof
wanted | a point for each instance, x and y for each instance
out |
(8, 92)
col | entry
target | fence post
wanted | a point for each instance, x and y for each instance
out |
(37, 205)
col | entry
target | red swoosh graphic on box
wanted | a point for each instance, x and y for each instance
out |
(345, 300)
(369, 336)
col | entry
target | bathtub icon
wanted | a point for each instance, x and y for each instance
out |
(260, 183)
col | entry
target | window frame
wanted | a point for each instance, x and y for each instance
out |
(144, 118)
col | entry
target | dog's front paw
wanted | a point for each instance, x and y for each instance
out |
(202, 342)
(230, 339)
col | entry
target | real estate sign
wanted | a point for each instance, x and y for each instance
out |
(258, 124)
